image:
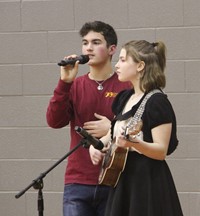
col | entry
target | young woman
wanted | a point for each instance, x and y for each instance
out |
(146, 186)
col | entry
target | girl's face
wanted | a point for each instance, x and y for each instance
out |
(126, 68)
(95, 45)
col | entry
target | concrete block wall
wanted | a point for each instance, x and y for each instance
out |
(34, 36)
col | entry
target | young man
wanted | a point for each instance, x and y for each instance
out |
(85, 101)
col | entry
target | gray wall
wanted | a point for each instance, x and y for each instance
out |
(34, 36)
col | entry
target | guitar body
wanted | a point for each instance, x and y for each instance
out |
(112, 166)
(115, 158)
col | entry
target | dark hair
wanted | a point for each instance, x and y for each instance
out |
(154, 57)
(105, 29)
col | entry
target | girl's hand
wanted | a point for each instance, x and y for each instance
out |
(124, 143)
(95, 155)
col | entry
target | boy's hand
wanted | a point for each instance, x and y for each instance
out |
(98, 128)
(69, 72)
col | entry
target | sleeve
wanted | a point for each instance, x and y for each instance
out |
(60, 109)
(159, 110)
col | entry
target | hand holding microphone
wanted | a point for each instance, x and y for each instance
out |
(69, 67)
(71, 61)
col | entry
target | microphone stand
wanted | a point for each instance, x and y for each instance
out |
(38, 182)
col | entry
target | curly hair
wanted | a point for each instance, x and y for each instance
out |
(105, 29)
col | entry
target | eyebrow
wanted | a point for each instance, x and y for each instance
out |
(93, 40)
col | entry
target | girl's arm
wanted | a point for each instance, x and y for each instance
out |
(156, 150)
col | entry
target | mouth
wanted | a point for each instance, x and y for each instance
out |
(90, 56)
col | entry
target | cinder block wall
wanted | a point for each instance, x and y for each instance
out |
(34, 36)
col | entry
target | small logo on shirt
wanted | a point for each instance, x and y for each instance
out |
(110, 94)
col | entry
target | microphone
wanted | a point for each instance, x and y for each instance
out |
(92, 140)
(82, 60)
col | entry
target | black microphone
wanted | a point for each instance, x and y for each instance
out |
(92, 140)
(82, 60)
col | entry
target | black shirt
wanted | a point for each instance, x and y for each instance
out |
(158, 111)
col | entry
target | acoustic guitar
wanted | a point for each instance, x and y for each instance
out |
(115, 158)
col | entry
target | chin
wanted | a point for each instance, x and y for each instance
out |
(91, 62)
(121, 79)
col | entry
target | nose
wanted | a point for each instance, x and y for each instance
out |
(89, 46)
(116, 65)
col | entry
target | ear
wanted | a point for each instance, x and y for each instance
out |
(112, 49)
(141, 66)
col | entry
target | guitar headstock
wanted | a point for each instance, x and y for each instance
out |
(133, 130)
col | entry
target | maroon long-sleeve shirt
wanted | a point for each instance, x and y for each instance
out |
(75, 104)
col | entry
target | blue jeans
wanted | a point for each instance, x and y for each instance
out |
(84, 200)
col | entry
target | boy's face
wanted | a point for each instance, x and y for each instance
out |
(95, 45)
